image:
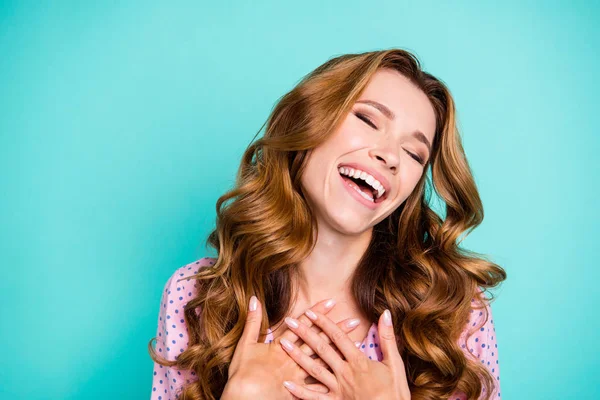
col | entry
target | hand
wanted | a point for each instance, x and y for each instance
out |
(289, 337)
(356, 377)
(254, 365)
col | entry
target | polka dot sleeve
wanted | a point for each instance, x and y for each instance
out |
(172, 334)
(481, 345)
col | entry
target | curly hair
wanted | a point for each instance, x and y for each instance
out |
(413, 265)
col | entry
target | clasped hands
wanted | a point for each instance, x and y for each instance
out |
(341, 371)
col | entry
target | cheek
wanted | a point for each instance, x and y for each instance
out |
(309, 177)
(350, 136)
(408, 182)
(416, 177)
(315, 174)
(354, 140)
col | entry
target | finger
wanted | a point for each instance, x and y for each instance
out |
(304, 392)
(344, 325)
(309, 379)
(321, 348)
(253, 322)
(309, 365)
(389, 346)
(317, 387)
(320, 362)
(302, 374)
(323, 306)
(338, 338)
(313, 328)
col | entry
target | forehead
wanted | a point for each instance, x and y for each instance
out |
(410, 104)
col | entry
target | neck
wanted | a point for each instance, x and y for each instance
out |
(327, 272)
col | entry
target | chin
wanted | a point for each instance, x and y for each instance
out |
(349, 225)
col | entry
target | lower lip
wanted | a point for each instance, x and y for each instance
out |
(371, 204)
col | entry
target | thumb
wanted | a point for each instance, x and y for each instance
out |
(387, 340)
(253, 321)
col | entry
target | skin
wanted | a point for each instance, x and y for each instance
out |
(349, 375)
(257, 368)
(345, 229)
(345, 226)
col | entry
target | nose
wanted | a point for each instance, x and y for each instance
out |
(387, 155)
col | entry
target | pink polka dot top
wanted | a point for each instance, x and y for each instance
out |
(172, 337)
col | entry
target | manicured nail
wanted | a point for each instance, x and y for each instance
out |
(253, 303)
(387, 318)
(357, 344)
(311, 315)
(287, 344)
(292, 323)
(289, 385)
(329, 303)
(353, 322)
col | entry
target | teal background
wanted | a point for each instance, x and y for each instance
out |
(122, 122)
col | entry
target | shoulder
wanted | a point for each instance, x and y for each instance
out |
(478, 338)
(479, 329)
(178, 290)
(185, 272)
(180, 286)
(171, 333)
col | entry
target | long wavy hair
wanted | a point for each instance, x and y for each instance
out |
(413, 265)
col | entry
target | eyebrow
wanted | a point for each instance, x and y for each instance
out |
(391, 116)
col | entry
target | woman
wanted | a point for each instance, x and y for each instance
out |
(334, 202)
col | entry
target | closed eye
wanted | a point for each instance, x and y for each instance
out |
(419, 159)
(365, 120)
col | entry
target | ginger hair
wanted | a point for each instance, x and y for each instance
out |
(413, 266)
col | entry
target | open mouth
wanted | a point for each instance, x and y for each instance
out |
(366, 190)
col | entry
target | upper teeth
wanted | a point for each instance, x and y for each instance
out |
(357, 173)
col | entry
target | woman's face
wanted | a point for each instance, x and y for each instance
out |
(387, 135)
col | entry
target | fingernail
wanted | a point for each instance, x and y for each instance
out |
(253, 303)
(289, 385)
(292, 323)
(287, 344)
(387, 318)
(357, 344)
(311, 315)
(329, 303)
(353, 322)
